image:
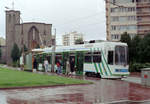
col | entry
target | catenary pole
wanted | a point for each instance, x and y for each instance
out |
(53, 52)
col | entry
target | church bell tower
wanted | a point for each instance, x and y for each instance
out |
(12, 18)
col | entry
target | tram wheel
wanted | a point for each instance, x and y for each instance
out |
(88, 74)
(98, 75)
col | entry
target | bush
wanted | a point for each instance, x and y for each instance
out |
(136, 67)
(16, 64)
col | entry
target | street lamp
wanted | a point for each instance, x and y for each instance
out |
(22, 42)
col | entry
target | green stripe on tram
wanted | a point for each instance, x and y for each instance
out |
(106, 64)
(104, 68)
(100, 68)
(96, 67)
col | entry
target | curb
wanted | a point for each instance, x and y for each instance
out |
(47, 86)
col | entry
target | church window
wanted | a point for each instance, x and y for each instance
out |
(9, 18)
(44, 32)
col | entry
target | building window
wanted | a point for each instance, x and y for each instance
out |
(115, 37)
(113, 27)
(114, 1)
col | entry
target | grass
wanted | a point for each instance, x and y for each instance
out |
(13, 78)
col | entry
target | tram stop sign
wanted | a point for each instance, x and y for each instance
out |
(145, 76)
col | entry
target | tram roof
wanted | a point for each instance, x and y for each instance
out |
(79, 47)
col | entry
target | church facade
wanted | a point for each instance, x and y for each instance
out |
(30, 34)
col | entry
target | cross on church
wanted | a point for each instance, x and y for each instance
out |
(13, 5)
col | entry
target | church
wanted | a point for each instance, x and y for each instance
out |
(30, 34)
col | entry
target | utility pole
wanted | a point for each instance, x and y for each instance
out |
(53, 52)
(22, 43)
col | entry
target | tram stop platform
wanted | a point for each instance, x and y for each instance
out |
(132, 79)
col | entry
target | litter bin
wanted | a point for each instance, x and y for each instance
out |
(145, 76)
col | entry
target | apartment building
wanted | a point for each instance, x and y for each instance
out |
(70, 38)
(131, 16)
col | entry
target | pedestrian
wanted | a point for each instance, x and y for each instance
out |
(67, 67)
(35, 64)
(72, 65)
(21, 62)
(58, 67)
(46, 65)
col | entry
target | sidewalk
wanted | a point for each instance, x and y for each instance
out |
(6, 66)
(132, 79)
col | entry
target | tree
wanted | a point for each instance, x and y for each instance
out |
(15, 53)
(37, 46)
(25, 48)
(134, 48)
(0, 52)
(79, 41)
(144, 49)
(126, 38)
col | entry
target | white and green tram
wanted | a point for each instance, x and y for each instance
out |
(104, 59)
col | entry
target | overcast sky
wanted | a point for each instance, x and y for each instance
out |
(85, 16)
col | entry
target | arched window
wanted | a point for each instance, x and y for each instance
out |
(33, 37)
(9, 18)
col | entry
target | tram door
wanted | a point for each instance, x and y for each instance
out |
(79, 63)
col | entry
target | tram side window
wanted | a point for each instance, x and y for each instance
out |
(110, 57)
(88, 57)
(97, 57)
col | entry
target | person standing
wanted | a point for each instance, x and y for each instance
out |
(67, 67)
(46, 65)
(72, 65)
(35, 65)
(21, 63)
(58, 67)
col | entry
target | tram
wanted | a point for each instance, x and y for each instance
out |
(104, 59)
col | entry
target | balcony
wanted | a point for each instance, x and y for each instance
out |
(143, 23)
(143, 13)
(142, 31)
(143, 4)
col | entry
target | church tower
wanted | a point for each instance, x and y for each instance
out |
(12, 19)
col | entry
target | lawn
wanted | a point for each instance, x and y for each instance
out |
(13, 78)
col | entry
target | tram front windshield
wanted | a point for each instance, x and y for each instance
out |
(121, 55)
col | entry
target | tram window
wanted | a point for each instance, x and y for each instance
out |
(110, 57)
(58, 54)
(97, 53)
(97, 59)
(88, 57)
